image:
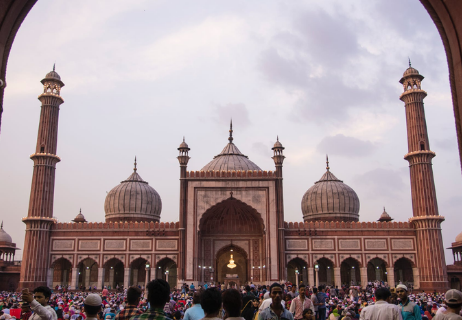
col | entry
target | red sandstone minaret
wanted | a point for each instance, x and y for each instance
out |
(39, 219)
(183, 158)
(427, 222)
(278, 157)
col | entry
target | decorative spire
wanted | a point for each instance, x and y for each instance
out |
(2, 224)
(183, 139)
(54, 64)
(409, 62)
(134, 169)
(80, 212)
(327, 162)
(277, 138)
(231, 132)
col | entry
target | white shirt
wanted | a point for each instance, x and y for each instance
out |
(381, 310)
(41, 312)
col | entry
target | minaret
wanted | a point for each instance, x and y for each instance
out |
(183, 158)
(278, 157)
(430, 261)
(39, 219)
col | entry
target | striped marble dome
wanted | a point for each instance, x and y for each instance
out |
(133, 200)
(330, 200)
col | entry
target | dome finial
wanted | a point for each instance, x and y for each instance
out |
(183, 138)
(231, 131)
(134, 169)
(2, 225)
(409, 62)
(327, 162)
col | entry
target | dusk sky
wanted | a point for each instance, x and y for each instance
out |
(141, 74)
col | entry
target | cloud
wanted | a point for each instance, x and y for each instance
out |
(262, 149)
(381, 182)
(236, 111)
(446, 144)
(342, 145)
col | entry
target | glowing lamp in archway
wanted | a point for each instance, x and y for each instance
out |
(231, 263)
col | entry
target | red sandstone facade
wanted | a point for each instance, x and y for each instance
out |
(233, 207)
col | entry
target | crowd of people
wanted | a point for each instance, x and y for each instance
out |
(252, 302)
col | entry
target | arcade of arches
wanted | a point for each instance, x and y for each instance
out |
(351, 272)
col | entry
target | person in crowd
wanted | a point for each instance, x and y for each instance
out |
(382, 309)
(321, 297)
(131, 308)
(409, 310)
(453, 300)
(210, 301)
(315, 301)
(275, 310)
(39, 303)
(92, 306)
(195, 312)
(158, 296)
(308, 314)
(26, 312)
(300, 303)
(292, 291)
(232, 304)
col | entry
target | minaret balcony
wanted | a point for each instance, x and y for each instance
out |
(422, 156)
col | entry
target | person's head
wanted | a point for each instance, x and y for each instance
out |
(210, 301)
(382, 294)
(453, 299)
(25, 307)
(42, 295)
(177, 315)
(276, 293)
(232, 302)
(301, 290)
(133, 295)
(197, 297)
(247, 288)
(315, 290)
(294, 287)
(401, 290)
(92, 305)
(255, 303)
(158, 293)
(308, 314)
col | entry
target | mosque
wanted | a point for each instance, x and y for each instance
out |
(231, 227)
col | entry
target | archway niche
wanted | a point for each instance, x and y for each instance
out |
(296, 268)
(326, 271)
(167, 270)
(138, 272)
(113, 273)
(376, 270)
(403, 271)
(62, 271)
(88, 273)
(236, 276)
(350, 272)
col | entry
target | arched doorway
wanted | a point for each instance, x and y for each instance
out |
(376, 270)
(113, 273)
(350, 272)
(88, 273)
(403, 271)
(228, 221)
(167, 270)
(226, 273)
(325, 271)
(62, 271)
(138, 272)
(455, 283)
(296, 270)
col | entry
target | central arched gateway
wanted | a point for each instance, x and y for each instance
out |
(231, 230)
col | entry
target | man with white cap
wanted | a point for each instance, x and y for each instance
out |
(454, 304)
(409, 310)
(92, 305)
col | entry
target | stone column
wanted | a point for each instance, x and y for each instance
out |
(87, 278)
(416, 274)
(363, 273)
(100, 284)
(391, 277)
(135, 277)
(317, 277)
(337, 277)
(311, 277)
(126, 277)
(75, 278)
(153, 274)
(111, 278)
(50, 277)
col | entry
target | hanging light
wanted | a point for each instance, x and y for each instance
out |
(231, 263)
